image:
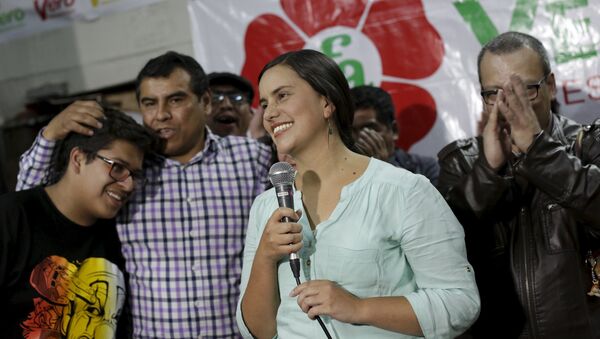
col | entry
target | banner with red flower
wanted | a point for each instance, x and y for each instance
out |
(423, 52)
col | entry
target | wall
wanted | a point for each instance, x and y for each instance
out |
(91, 55)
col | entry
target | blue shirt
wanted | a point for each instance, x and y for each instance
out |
(391, 234)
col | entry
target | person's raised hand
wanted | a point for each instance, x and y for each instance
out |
(80, 117)
(496, 141)
(372, 144)
(280, 238)
(519, 113)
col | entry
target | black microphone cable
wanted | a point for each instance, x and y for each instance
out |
(282, 177)
(295, 265)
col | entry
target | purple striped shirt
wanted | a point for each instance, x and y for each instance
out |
(183, 234)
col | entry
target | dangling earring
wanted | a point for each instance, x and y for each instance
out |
(329, 129)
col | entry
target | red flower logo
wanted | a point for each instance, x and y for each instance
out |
(382, 43)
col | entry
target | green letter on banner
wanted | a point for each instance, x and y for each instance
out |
(572, 37)
(523, 15)
(478, 19)
(482, 25)
(357, 77)
(328, 44)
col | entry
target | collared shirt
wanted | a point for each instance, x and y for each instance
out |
(391, 234)
(182, 235)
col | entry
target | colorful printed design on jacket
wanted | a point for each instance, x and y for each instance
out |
(77, 300)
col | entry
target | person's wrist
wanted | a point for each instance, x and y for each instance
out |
(48, 134)
(534, 137)
(360, 314)
(263, 257)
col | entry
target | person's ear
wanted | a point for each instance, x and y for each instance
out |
(328, 108)
(551, 82)
(76, 159)
(205, 101)
(395, 133)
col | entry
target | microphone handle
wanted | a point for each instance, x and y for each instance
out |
(285, 198)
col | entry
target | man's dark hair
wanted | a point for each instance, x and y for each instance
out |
(232, 79)
(116, 126)
(163, 65)
(510, 42)
(326, 78)
(371, 97)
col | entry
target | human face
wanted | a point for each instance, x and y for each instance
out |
(102, 196)
(228, 116)
(496, 69)
(367, 118)
(294, 113)
(170, 108)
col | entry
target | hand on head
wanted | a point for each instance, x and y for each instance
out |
(79, 117)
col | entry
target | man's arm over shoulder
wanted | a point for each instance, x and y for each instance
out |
(35, 163)
(572, 181)
(256, 154)
(466, 181)
(263, 163)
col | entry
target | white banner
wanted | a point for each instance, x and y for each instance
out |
(19, 18)
(423, 52)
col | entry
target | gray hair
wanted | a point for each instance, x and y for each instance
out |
(510, 42)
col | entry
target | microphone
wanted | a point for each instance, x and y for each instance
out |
(282, 177)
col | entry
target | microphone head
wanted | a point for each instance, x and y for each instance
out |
(282, 173)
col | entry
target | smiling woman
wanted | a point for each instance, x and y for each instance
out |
(378, 245)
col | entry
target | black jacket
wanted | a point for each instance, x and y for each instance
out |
(527, 229)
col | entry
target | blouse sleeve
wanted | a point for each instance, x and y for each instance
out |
(256, 224)
(446, 301)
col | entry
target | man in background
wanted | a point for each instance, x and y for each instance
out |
(527, 192)
(231, 113)
(375, 132)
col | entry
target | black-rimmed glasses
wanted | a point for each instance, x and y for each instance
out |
(532, 90)
(234, 98)
(120, 172)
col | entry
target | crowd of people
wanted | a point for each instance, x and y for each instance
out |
(170, 229)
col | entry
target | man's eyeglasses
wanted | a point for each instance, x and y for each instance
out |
(234, 98)
(120, 172)
(532, 90)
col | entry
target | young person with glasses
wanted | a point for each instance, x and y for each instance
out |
(190, 218)
(61, 268)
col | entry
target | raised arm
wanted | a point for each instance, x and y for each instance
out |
(259, 302)
(34, 164)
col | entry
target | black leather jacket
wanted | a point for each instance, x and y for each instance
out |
(527, 230)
